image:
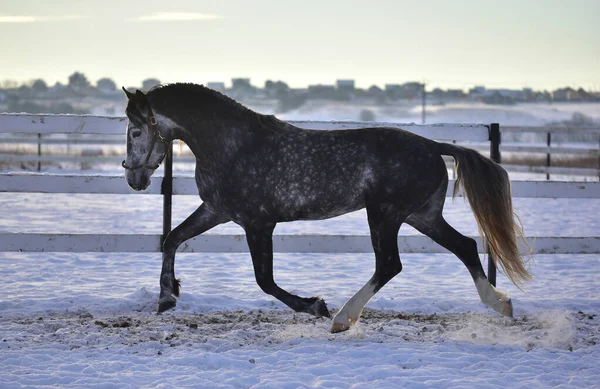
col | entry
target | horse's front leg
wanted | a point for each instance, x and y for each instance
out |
(201, 220)
(260, 242)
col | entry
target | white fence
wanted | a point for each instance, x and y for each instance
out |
(37, 143)
(77, 184)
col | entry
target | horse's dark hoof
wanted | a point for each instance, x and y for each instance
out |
(164, 304)
(319, 308)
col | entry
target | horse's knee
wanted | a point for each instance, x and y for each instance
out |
(171, 243)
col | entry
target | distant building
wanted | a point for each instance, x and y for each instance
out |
(455, 93)
(240, 83)
(242, 89)
(477, 90)
(570, 94)
(320, 91)
(392, 87)
(498, 96)
(345, 84)
(409, 90)
(216, 85)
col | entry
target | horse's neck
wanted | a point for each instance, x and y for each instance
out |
(214, 143)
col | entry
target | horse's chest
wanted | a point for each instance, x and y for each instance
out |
(208, 187)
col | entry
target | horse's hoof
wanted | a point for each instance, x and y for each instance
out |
(166, 304)
(508, 308)
(318, 308)
(339, 327)
(504, 307)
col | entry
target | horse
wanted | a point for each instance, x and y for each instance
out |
(257, 171)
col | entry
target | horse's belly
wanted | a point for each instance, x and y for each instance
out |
(315, 206)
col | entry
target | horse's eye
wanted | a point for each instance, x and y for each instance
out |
(136, 133)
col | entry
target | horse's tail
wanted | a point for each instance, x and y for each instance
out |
(487, 187)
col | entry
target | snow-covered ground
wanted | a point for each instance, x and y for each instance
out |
(88, 320)
(523, 114)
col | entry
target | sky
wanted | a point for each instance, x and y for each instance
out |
(541, 44)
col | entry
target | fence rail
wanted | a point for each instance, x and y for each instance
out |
(282, 243)
(182, 185)
(72, 139)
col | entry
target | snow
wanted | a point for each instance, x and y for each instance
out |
(88, 320)
(522, 114)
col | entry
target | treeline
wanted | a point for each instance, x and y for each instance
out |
(79, 95)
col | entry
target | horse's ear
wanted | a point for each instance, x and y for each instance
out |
(142, 102)
(127, 93)
(140, 95)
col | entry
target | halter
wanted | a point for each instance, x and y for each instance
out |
(157, 135)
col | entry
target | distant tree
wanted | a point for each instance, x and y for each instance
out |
(278, 89)
(377, 93)
(9, 84)
(375, 90)
(581, 120)
(149, 83)
(290, 100)
(39, 86)
(24, 92)
(78, 81)
(366, 115)
(106, 85)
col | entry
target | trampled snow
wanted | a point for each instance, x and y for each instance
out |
(70, 320)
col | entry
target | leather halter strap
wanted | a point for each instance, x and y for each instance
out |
(146, 164)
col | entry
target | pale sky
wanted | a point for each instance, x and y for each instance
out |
(543, 44)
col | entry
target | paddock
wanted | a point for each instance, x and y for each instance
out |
(81, 288)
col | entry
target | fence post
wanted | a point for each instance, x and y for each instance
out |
(166, 189)
(39, 152)
(423, 102)
(495, 140)
(548, 162)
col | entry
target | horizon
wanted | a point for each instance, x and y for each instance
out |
(228, 84)
(445, 45)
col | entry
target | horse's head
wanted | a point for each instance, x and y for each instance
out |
(146, 147)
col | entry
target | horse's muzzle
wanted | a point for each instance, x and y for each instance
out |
(138, 179)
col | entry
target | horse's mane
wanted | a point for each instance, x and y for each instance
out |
(179, 93)
(188, 97)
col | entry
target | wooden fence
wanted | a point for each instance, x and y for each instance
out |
(168, 186)
(88, 149)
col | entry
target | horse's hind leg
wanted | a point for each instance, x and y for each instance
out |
(429, 221)
(384, 236)
(260, 243)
